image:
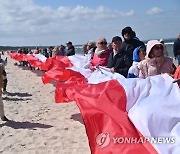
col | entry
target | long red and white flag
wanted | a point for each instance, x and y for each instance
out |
(127, 115)
(121, 115)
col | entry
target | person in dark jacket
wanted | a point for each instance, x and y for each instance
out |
(70, 49)
(2, 114)
(176, 49)
(118, 60)
(45, 53)
(130, 41)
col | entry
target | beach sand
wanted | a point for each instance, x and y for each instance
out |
(39, 125)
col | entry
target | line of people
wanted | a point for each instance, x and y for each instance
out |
(61, 50)
(131, 57)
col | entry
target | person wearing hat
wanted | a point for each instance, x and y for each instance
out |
(70, 49)
(130, 41)
(155, 62)
(118, 60)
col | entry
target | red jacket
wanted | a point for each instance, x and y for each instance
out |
(102, 60)
(177, 73)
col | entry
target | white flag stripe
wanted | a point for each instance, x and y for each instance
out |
(153, 104)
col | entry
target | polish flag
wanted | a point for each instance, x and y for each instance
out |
(16, 56)
(121, 115)
(126, 115)
(35, 60)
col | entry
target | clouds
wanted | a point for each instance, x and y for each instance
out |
(154, 10)
(25, 18)
(27, 12)
(23, 22)
(81, 12)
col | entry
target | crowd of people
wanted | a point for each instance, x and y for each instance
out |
(61, 50)
(129, 57)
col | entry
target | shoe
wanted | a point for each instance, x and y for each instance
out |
(4, 118)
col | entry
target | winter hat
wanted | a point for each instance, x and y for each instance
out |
(127, 30)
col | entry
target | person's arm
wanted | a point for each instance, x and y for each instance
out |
(141, 70)
(70, 52)
(127, 61)
(177, 81)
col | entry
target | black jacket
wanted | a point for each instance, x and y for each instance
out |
(121, 62)
(70, 51)
(130, 45)
(176, 47)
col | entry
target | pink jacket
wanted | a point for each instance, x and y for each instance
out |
(101, 60)
(149, 67)
(154, 66)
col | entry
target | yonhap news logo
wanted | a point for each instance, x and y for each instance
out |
(104, 139)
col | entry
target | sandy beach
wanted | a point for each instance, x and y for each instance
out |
(38, 125)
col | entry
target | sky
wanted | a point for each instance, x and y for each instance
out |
(55, 22)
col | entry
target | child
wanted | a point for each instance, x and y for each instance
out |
(139, 54)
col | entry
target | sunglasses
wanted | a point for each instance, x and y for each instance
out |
(143, 52)
(158, 47)
(102, 43)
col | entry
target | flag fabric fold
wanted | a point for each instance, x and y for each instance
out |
(116, 109)
(106, 119)
(35, 60)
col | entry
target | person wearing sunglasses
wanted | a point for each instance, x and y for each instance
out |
(101, 54)
(155, 62)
